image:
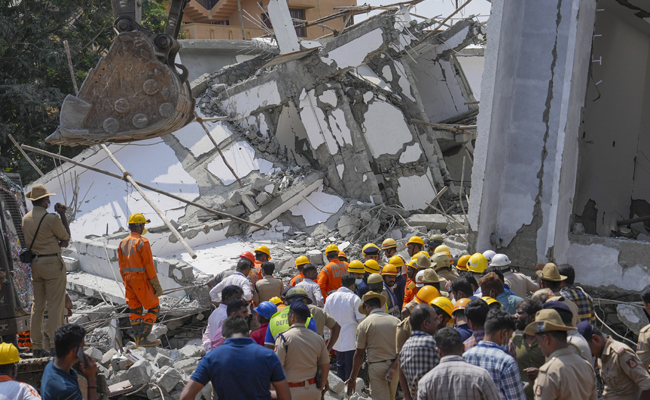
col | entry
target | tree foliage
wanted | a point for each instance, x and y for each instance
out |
(34, 72)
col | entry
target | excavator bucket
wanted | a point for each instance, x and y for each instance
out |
(130, 95)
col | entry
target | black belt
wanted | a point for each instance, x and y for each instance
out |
(375, 362)
(47, 255)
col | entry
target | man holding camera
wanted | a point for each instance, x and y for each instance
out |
(45, 235)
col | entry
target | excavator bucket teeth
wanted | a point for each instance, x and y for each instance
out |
(130, 95)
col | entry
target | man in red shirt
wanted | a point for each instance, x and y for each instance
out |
(264, 311)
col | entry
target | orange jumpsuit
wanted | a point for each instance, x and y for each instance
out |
(409, 294)
(256, 273)
(330, 276)
(297, 279)
(136, 267)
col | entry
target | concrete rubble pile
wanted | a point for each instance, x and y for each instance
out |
(346, 143)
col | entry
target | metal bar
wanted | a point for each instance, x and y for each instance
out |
(153, 189)
(214, 142)
(29, 160)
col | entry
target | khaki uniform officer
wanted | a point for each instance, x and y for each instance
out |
(624, 375)
(301, 353)
(565, 375)
(643, 348)
(376, 340)
(45, 234)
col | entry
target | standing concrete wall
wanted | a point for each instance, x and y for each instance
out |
(536, 68)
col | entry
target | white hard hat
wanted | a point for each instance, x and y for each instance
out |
(500, 260)
(419, 279)
(489, 254)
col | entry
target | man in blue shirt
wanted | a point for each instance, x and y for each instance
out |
(492, 286)
(239, 369)
(59, 379)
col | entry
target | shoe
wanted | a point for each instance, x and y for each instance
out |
(143, 340)
(137, 331)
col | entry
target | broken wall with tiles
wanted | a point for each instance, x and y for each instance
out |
(349, 107)
(560, 150)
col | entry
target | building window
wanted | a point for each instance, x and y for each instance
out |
(296, 13)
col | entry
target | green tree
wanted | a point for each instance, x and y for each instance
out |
(34, 72)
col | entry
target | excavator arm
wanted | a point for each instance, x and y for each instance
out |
(136, 91)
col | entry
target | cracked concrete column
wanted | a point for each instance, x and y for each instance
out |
(283, 28)
(524, 173)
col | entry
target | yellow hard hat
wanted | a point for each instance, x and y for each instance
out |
(462, 262)
(444, 304)
(427, 295)
(356, 267)
(477, 263)
(371, 266)
(416, 240)
(275, 300)
(331, 247)
(389, 269)
(490, 300)
(375, 278)
(370, 248)
(138, 218)
(461, 304)
(396, 261)
(265, 250)
(342, 255)
(302, 260)
(8, 354)
(388, 244)
(440, 260)
(442, 248)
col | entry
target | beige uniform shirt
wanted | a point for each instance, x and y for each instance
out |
(410, 306)
(643, 347)
(321, 318)
(49, 234)
(520, 283)
(404, 331)
(447, 275)
(376, 334)
(623, 373)
(300, 351)
(574, 309)
(266, 288)
(566, 376)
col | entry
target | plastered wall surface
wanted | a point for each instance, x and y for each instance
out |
(615, 142)
(535, 68)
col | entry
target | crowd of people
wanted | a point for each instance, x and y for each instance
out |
(432, 327)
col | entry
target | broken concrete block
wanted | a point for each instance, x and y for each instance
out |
(159, 329)
(233, 200)
(192, 351)
(260, 183)
(106, 358)
(335, 383)
(120, 363)
(329, 395)
(237, 210)
(187, 365)
(140, 372)
(249, 203)
(348, 225)
(429, 221)
(94, 353)
(633, 317)
(315, 257)
(271, 189)
(162, 360)
(168, 379)
(263, 198)
(360, 386)
(120, 376)
(153, 393)
(71, 264)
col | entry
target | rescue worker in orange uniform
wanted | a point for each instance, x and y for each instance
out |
(140, 280)
(262, 254)
(330, 276)
(413, 268)
(300, 262)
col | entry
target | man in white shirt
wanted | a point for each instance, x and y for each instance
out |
(343, 306)
(239, 278)
(10, 389)
(212, 336)
(311, 287)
